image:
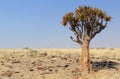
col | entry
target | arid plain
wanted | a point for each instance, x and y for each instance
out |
(29, 63)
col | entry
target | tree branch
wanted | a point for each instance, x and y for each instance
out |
(77, 41)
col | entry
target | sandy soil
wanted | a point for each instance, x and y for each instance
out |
(57, 64)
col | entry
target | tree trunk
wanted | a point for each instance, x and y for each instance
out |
(85, 60)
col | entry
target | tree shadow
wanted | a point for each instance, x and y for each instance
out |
(96, 66)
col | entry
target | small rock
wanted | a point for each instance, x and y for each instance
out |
(8, 73)
(31, 69)
(40, 68)
(66, 66)
(43, 54)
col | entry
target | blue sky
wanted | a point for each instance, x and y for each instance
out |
(37, 23)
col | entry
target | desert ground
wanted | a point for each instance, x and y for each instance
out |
(29, 63)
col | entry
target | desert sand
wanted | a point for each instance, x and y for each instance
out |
(57, 63)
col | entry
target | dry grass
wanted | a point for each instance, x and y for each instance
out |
(55, 63)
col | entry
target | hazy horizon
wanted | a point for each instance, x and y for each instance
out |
(37, 24)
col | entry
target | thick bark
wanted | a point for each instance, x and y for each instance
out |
(85, 60)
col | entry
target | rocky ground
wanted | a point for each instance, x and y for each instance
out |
(43, 65)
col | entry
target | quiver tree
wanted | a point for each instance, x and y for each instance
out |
(85, 23)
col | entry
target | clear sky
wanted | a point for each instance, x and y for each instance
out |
(37, 23)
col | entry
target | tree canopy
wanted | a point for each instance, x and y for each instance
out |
(85, 22)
